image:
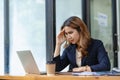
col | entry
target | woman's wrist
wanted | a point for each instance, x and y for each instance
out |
(57, 50)
(58, 44)
(87, 68)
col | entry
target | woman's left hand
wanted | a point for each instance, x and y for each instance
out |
(82, 69)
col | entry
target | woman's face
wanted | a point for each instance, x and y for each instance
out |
(72, 35)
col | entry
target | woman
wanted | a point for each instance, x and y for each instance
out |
(81, 53)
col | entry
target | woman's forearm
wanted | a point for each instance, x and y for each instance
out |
(57, 50)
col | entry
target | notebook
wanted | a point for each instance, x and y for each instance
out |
(28, 62)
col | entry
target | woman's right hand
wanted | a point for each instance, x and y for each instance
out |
(59, 40)
(60, 37)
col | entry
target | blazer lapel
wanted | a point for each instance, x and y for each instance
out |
(73, 55)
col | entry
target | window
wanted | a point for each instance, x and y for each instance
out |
(65, 9)
(118, 30)
(1, 38)
(27, 32)
(101, 24)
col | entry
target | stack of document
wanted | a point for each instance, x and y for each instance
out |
(116, 69)
(109, 73)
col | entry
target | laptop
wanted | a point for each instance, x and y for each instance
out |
(28, 62)
(30, 65)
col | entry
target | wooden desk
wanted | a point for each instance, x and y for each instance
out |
(58, 77)
(8, 77)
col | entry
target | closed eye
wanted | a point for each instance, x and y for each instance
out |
(68, 33)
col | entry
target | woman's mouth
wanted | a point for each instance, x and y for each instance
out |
(71, 41)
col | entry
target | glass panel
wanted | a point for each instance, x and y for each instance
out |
(101, 24)
(118, 30)
(64, 10)
(1, 38)
(27, 32)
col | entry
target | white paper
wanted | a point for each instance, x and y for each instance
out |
(102, 19)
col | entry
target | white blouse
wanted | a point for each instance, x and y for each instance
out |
(78, 58)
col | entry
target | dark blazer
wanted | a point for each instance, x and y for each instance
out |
(97, 57)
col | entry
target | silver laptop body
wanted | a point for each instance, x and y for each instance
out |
(28, 62)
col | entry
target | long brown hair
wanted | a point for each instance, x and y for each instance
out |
(76, 23)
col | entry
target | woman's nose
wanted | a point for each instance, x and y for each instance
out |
(68, 36)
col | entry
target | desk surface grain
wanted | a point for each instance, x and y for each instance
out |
(70, 77)
(58, 77)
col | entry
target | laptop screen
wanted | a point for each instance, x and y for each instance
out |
(28, 62)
